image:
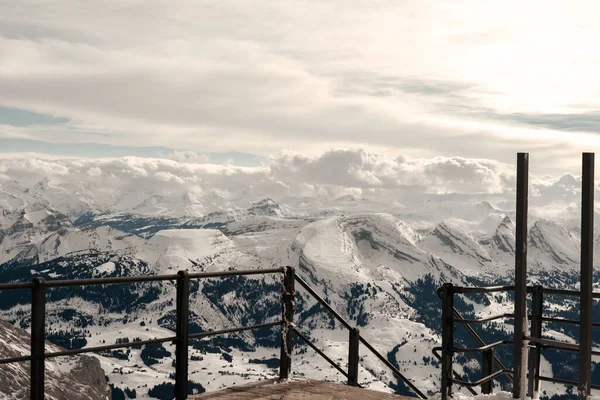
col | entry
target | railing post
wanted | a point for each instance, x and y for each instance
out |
(487, 368)
(353, 357)
(38, 338)
(586, 280)
(521, 326)
(537, 310)
(447, 339)
(182, 331)
(288, 304)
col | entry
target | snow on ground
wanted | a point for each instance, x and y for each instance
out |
(335, 253)
(175, 248)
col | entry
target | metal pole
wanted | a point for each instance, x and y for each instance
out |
(288, 303)
(181, 346)
(586, 280)
(487, 368)
(353, 357)
(520, 346)
(447, 339)
(38, 338)
(537, 312)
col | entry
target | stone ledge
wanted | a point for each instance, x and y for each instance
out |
(296, 389)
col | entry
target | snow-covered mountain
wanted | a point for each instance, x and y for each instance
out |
(377, 265)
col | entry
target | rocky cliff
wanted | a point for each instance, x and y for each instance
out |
(67, 378)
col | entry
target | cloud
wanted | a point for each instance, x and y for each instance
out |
(262, 77)
(94, 171)
(188, 157)
(360, 169)
(125, 182)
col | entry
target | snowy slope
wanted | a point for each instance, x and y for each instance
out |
(378, 269)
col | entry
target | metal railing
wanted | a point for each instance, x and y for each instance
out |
(182, 336)
(354, 339)
(451, 316)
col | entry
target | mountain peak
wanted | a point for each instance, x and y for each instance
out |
(265, 207)
(267, 201)
(506, 222)
(555, 242)
(347, 198)
(486, 205)
(504, 238)
(456, 242)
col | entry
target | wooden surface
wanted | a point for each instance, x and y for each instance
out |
(296, 389)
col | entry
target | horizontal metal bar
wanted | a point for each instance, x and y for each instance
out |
(436, 351)
(323, 302)
(564, 381)
(231, 330)
(560, 320)
(485, 379)
(480, 341)
(16, 286)
(154, 278)
(319, 352)
(109, 347)
(483, 289)
(562, 292)
(555, 344)
(567, 292)
(483, 320)
(393, 368)
(510, 288)
(108, 281)
(15, 359)
(216, 274)
(482, 348)
(567, 321)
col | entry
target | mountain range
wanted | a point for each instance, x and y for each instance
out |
(377, 262)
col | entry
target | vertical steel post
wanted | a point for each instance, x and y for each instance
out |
(38, 338)
(520, 344)
(586, 280)
(487, 368)
(447, 339)
(288, 303)
(182, 331)
(537, 312)
(353, 357)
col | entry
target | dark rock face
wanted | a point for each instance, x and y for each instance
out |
(67, 378)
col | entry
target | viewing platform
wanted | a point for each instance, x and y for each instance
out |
(296, 389)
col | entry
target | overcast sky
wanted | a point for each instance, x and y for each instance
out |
(254, 79)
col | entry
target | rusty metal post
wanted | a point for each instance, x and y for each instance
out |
(353, 357)
(520, 344)
(447, 339)
(182, 329)
(285, 360)
(487, 368)
(537, 311)
(586, 280)
(38, 338)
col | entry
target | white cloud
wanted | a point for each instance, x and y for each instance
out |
(188, 156)
(424, 78)
(94, 171)
(331, 174)
(367, 170)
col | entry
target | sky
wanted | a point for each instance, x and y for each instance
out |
(244, 82)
